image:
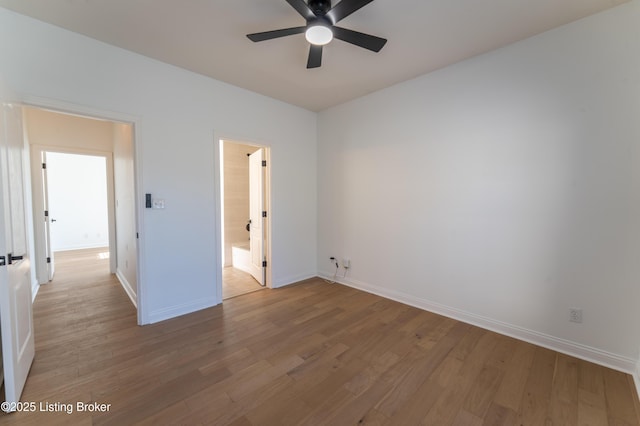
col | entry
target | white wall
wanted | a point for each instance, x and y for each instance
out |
(77, 201)
(124, 185)
(502, 190)
(178, 115)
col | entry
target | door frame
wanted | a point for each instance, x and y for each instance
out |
(38, 206)
(136, 129)
(219, 138)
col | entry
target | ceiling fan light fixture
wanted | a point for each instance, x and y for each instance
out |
(319, 35)
(320, 27)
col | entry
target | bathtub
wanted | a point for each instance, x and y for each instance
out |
(241, 256)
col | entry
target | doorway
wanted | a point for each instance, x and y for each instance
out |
(77, 208)
(245, 217)
(83, 186)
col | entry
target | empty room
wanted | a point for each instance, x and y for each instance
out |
(448, 227)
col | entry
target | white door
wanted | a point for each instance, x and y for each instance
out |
(256, 207)
(16, 317)
(47, 219)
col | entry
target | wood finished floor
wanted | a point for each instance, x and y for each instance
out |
(236, 282)
(312, 353)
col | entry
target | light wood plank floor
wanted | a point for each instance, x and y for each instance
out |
(312, 353)
(236, 282)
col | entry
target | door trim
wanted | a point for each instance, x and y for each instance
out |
(136, 128)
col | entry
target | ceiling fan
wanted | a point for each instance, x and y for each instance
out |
(321, 29)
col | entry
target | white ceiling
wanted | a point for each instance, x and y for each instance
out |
(208, 37)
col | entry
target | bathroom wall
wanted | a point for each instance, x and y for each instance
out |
(236, 195)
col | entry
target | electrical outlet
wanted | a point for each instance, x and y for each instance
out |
(575, 315)
(346, 263)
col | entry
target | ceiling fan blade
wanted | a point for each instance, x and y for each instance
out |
(367, 41)
(268, 35)
(315, 56)
(302, 8)
(345, 8)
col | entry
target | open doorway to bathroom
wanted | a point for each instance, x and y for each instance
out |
(245, 236)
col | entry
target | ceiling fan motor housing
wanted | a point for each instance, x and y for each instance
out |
(320, 7)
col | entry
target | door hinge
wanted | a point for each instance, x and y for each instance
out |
(264, 263)
(46, 213)
(48, 260)
(264, 214)
(264, 163)
(137, 235)
(44, 165)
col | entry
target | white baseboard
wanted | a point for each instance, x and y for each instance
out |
(578, 350)
(104, 244)
(282, 282)
(34, 292)
(187, 308)
(182, 309)
(127, 288)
